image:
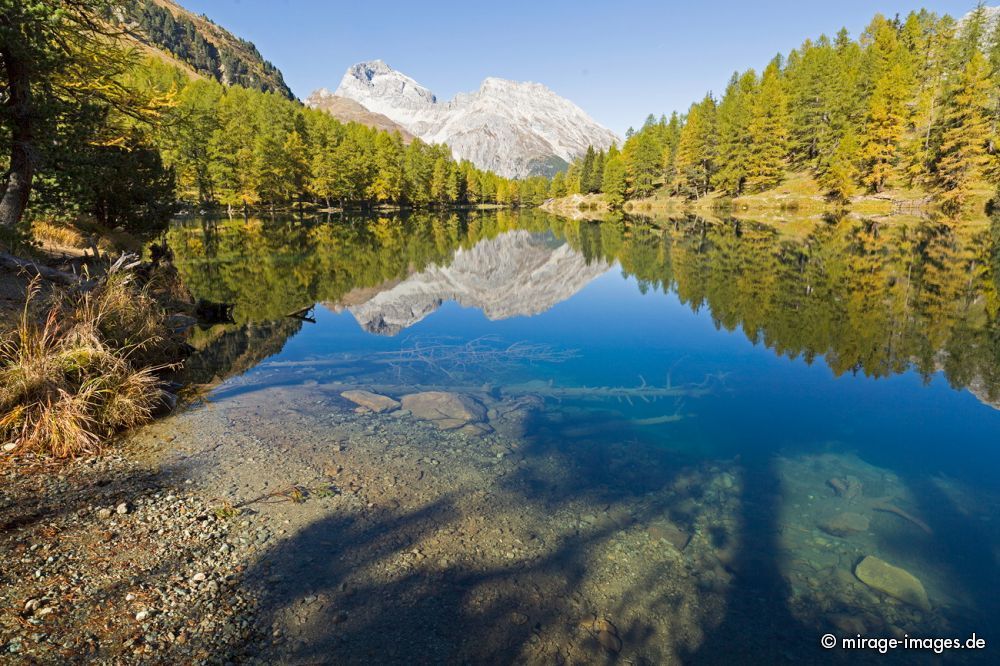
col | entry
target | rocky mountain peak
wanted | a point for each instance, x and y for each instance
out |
(375, 80)
(513, 128)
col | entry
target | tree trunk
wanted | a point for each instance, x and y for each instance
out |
(22, 152)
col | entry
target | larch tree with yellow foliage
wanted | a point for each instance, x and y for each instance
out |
(966, 135)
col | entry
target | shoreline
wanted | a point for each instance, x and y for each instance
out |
(773, 205)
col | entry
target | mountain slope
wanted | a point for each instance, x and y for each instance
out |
(199, 44)
(513, 128)
(348, 111)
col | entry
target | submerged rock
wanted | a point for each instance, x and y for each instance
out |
(845, 524)
(445, 409)
(374, 401)
(848, 487)
(894, 581)
(667, 531)
(604, 631)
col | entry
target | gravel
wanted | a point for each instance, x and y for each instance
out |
(104, 562)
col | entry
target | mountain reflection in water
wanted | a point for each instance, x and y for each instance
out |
(871, 298)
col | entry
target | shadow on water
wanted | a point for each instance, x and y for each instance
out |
(962, 550)
(758, 626)
(356, 590)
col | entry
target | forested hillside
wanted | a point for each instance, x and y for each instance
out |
(238, 147)
(98, 131)
(913, 103)
(200, 44)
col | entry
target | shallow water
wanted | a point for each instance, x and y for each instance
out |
(677, 417)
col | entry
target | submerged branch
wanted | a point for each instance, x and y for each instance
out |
(484, 352)
(537, 388)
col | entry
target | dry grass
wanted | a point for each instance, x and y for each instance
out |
(86, 371)
(55, 235)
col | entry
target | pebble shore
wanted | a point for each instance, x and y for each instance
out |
(104, 562)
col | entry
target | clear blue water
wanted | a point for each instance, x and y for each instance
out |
(793, 354)
(760, 403)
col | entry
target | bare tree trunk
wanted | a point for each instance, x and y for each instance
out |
(22, 152)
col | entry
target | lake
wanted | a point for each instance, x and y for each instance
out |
(651, 441)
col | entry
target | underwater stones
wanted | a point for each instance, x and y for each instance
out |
(609, 641)
(845, 524)
(444, 409)
(604, 631)
(517, 618)
(894, 581)
(375, 402)
(666, 531)
(848, 487)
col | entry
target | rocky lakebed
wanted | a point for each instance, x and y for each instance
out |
(318, 523)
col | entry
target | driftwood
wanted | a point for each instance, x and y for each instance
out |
(657, 420)
(483, 351)
(541, 389)
(18, 265)
(643, 392)
(888, 507)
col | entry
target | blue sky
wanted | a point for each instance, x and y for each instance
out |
(618, 60)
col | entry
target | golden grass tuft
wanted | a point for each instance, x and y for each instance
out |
(86, 371)
(58, 235)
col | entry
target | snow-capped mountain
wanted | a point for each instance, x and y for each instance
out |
(513, 128)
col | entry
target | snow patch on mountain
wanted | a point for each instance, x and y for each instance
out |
(515, 129)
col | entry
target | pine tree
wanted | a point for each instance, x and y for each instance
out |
(439, 180)
(812, 75)
(643, 154)
(557, 188)
(993, 169)
(966, 135)
(884, 129)
(614, 179)
(573, 179)
(387, 184)
(890, 75)
(587, 171)
(696, 150)
(734, 116)
(768, 131)
(841, 174)
(597, 176)
(232, 149)
(926, 36)
(671, 138)
(296, 170)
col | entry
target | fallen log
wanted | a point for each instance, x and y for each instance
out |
(18, 265)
